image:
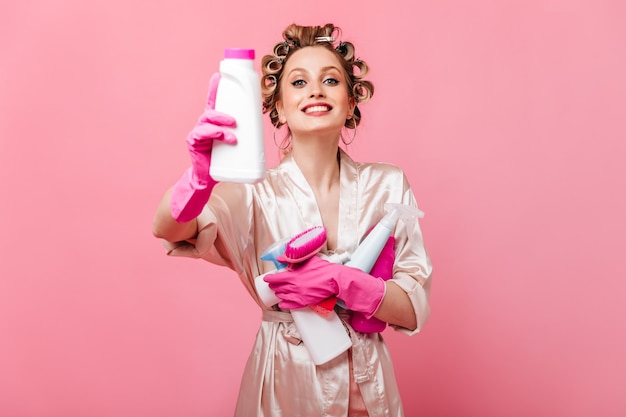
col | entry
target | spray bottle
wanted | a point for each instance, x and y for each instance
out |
(369, 250)
(239, 95)
(324, 336)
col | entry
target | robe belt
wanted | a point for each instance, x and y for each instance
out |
(361, 366)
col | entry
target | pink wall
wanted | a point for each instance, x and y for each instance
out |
(508, 118)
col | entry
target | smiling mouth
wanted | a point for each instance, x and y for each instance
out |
(314, 109)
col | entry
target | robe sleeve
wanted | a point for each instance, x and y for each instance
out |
(224, 229)
(413, 268)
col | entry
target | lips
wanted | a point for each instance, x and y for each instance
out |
(316, 108)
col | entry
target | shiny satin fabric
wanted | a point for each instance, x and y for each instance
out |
(242, 220)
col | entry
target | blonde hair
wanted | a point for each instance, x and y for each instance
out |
(297, 37)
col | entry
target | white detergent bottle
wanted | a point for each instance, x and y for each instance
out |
(239, 95)
(324, 337)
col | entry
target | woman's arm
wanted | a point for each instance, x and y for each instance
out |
(175, 218)
(396, 308)
(164, 226)
(406, 304)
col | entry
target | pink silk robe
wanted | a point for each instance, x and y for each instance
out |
(242, 220)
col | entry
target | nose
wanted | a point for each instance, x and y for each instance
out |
(317, 90)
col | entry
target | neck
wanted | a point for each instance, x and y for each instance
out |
(318, 161)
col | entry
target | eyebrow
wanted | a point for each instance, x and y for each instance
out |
(324, 69)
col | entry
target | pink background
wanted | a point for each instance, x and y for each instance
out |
(508, 117)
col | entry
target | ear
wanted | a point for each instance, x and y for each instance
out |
(281, 114)
(351, 107)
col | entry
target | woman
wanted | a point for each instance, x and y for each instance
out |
(312, 84)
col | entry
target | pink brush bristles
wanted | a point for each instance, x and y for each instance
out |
(304, 245)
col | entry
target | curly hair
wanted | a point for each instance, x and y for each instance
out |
(297, 37)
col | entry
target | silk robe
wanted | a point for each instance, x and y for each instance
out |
(241, 220)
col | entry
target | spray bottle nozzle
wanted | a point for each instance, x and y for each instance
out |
(407, 214)
(274, 251)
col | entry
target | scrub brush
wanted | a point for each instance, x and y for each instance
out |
(302, 247)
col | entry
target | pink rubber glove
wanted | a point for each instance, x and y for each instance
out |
(192, 191)
(318, 279)
(383, 268)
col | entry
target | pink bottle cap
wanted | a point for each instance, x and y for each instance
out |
(239, 53)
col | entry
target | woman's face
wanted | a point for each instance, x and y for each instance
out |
(314, 93)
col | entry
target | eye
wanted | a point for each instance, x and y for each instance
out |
(298, 83)
(331, 81)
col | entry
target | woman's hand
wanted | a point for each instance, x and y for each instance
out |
(317, 279)
(192, 191)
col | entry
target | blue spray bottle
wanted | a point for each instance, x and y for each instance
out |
(325, 337)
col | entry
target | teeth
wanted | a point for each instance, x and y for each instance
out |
(316, 109)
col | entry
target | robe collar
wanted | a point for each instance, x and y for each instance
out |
(348, 230)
